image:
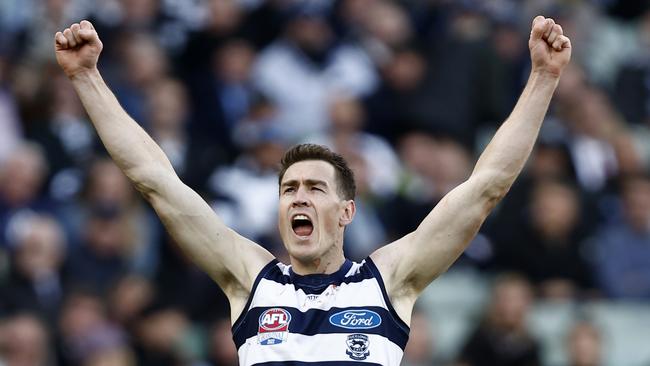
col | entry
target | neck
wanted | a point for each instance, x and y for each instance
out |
(323, 265)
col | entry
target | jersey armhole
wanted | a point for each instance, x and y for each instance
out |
(259, 277)
(398, 320)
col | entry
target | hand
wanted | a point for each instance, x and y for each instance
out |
(77, 48)
(550, 49)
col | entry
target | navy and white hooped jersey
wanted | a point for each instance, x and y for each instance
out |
(337, 319)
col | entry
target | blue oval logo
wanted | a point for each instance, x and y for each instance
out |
(356, 319)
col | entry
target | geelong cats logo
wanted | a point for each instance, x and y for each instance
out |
(358, 346)
(273, 326)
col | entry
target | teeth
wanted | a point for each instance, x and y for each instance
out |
(300, 217)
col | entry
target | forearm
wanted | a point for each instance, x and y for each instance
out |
(127, 143)
(505, 156)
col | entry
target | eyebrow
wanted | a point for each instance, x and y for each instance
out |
(308, 182)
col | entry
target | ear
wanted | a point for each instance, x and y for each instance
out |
(349, 209)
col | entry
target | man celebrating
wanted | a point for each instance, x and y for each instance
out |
(322, 308)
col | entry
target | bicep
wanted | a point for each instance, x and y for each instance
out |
(230, 259)
(417, 259)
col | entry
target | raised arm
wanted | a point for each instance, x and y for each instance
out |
(411, 263)
(231, 260)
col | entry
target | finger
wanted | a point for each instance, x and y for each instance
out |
(75, 32)
(561, 43)
(538, 28)
(550, 23)
(565, 42)
(87, 32)
(555, 32)
(84, 24)
(60, 40)
(68, 35)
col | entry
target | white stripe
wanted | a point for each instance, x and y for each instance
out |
(365, 293)
(284, 268)
(356, 267)
(321, 347)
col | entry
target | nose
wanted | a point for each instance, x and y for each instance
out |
(300, 198)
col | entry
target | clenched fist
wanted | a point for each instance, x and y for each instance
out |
(77, 48)
(550, 49)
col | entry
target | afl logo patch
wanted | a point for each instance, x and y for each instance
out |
(273, 326)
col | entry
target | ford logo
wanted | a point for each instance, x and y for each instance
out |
(356, 319)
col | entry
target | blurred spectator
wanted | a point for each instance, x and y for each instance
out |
(347, 119)
(306, 67)
(118, 18)
(419, 349)
(503, 338)
(24, 341)
(222, 21)
(144, 63)
(36, 283)
(108, 193)
(84, 330)
(159, 338)
(623, 244)
(549, 161)
(366, 233)
(112, 357)
(379, 26)
(22, 176)
(45, 18)
(130, 296)
(247, 191)
(401, 100)
(434, 166)
(585, 345)
(223, 94)
(168, 111)
(600, 145)
(548, 249)
(10, 124)
(66, 136)
(103, 255)
(221, 348)
(183, 286)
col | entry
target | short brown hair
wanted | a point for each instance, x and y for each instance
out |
(344, 175)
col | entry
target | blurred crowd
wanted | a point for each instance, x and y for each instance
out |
(408, 91)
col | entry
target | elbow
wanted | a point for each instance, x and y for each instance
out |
(493, 187)
(149, 180)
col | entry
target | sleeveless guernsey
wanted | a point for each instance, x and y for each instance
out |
(343, 318)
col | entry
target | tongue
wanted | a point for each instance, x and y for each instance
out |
(303, 230)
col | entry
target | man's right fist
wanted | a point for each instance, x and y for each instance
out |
(77, 48)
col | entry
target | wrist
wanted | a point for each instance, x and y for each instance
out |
(545, 74)
(83, 74)
(544, 78)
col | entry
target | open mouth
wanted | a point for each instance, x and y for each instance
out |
(301, 225)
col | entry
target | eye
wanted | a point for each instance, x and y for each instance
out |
(317, 189)
(289, 190)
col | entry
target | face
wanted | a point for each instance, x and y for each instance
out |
(312, 215)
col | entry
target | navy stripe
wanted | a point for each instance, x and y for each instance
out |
(315, 284)
(396, 318)
(326, 363)
(272, 264)
(316, 321)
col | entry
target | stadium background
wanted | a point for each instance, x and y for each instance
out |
(408, 91)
